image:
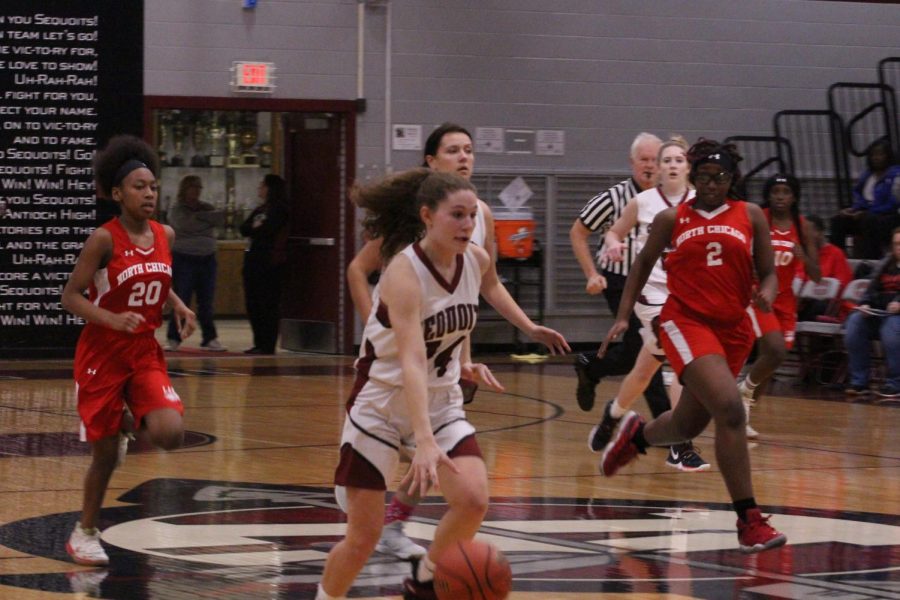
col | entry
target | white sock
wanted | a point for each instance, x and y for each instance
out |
(748, 383)
(321, 595)
(616, 411)
(426, 569)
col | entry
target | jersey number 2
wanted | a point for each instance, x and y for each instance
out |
(145, 294)
(713, 254)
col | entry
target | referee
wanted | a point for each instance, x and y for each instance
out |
(598, 215)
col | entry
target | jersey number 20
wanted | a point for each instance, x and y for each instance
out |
(145, 294)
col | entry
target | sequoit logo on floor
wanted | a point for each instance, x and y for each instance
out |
(175, 535)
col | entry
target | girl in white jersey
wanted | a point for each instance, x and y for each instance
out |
(407, 392)
(672, 190)
(448, 149)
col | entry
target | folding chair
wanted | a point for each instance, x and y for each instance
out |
(817, 341)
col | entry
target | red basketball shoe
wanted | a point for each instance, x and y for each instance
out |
(755, 534)
(621, 450)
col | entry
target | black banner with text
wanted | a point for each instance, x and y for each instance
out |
(71, 76)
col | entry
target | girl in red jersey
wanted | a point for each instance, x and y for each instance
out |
(792, 243)
(126, 266)
(715, 242)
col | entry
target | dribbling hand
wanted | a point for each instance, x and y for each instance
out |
(422, 473)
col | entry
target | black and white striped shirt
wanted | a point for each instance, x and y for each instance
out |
(601, 212)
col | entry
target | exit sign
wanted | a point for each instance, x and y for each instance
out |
(253, 76)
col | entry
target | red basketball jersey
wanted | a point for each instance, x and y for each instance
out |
(710, 266)
(783, 245)
(135, 279)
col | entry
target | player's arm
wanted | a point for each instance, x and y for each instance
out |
(614, 240)
(498, 296)
(763, 259)
(401, 294)
(490, 240)
(578, 236)
(185, 319)
(367, 261)
(94, 256)
(659, 238)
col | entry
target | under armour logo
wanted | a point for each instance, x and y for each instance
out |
(683, 220)
(92, 371)
(129, 253)
(170, 394)
(714, 157)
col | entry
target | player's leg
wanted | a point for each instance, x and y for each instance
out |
(629, 391)
(394, 541)
(365, 515)
(466, 493)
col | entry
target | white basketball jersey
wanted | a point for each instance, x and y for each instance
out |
(449, 310)
(649, 204)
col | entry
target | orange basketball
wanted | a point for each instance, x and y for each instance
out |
(472, 570)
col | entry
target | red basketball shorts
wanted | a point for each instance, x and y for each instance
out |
(686, 338)
(113, 369)
(777, 320)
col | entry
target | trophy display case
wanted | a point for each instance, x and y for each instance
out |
(230, 151)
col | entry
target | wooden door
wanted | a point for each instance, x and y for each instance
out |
(316, 312)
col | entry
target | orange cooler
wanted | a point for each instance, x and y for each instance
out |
(515, 233)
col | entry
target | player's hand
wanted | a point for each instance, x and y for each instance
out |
(614, 251)
(423, 472)
(185, 321)
(893, 307)
(126, 321)
(480, 372)
(614, 332)
(763, 299)
(551, 338)
(596, 284)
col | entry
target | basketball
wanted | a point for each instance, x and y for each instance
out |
(472, 570)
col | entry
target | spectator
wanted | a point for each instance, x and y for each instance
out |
(876, 202)
(263, 263)
(832, 263)
(194, 259)
(877, 317)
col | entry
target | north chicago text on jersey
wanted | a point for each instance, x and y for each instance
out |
(141, 268)
(459, 317)
(695, 231)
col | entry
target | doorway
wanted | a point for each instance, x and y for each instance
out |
(316, 314)
(313, 147)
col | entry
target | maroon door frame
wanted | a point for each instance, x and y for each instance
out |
(347, 107)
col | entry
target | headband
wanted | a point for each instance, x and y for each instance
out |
(132, 164)
(723, 159)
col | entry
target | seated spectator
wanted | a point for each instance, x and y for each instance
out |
(876, 201)
(877, 317)
(832, 263)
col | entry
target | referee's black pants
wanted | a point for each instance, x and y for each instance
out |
(620, 358)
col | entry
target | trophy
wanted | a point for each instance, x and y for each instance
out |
(248, 140)
(199, 137)
(230, 213)
(179, 131)
(234, 159)
(265, 155)
(217, 143)
(162, 137)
